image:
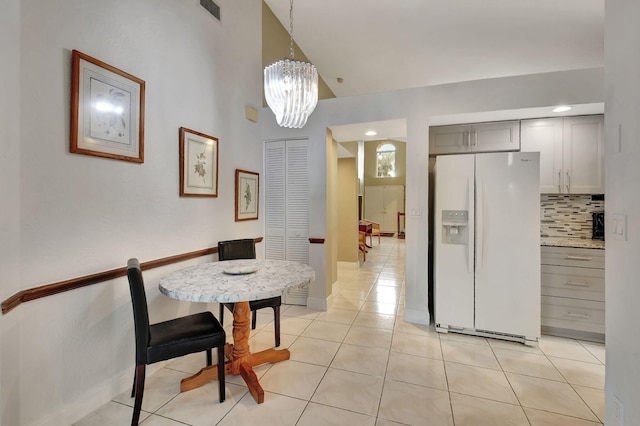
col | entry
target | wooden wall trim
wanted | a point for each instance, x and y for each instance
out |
(87, 280)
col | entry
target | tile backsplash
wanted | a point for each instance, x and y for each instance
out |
(567, 215)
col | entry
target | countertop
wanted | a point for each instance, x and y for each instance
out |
(572, 242)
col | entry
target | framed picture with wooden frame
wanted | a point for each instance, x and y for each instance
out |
(198, 164)
(247, 195)
(107, 110)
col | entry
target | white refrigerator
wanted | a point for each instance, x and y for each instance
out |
(487, 245)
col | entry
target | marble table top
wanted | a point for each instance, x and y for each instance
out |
(208, 282)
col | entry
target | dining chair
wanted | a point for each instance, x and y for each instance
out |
(169, 339)
(246, 249)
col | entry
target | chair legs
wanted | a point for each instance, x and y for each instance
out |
(139, 376)
(276, 320)
(221, 314)
(138, 391)
(221, 376)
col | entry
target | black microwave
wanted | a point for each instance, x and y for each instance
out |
(597, 232)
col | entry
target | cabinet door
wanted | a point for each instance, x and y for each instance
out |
(545, 136)
(583, 155)
(497, 136)
(449, 139)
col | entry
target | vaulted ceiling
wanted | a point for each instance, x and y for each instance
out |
(381, 45)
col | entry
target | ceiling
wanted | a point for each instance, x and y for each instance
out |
(382, 45)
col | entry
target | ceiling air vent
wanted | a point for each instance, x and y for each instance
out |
(213, 8)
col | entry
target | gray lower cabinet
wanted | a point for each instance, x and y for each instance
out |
(573, 292)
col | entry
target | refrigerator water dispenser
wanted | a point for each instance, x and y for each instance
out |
(455, 227)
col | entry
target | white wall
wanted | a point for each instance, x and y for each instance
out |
(68, 215)
(622, 176)
(9, 202)
(416, 106)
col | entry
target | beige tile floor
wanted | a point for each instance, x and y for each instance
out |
(359, 363)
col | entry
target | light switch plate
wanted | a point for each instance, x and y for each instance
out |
(618, 227)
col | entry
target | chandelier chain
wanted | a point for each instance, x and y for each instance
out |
(291, 29)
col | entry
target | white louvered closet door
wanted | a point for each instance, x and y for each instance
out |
(287, 206)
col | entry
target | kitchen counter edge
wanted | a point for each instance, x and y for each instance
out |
(572, 242)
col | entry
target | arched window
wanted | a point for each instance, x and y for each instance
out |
(386, 160)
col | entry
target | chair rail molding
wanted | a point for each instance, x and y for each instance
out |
(61, 286)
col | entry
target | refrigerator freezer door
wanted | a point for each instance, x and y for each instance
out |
(453, 275)
(507, 282)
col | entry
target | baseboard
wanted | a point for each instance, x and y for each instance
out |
(348, 265)
(573, 334)
(317, 303)
(95, 398)
(416, 316)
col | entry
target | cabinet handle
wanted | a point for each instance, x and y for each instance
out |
(572, 315)
(475, 137)
(568, 182)
(577, 284)
(583, 258)
(559, 180)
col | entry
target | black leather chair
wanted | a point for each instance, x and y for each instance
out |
(246, 249)
(169, 339)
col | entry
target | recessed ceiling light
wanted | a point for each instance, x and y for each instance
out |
(371, 133)
(562, 108)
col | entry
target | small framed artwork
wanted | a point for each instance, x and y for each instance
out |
(198, 164)
(107, 110)
(247, 187)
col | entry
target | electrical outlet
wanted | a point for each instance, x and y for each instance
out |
(618, 412)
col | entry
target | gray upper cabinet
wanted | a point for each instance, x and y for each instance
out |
(571, 153)
(479, 137)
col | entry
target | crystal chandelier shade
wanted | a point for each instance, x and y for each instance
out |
(291, 91)
(291, 87)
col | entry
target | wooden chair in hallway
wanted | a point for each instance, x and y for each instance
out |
(375, 230)
(362, 244)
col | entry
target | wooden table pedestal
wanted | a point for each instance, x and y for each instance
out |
(240, 360)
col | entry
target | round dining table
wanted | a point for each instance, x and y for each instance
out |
(239, 282)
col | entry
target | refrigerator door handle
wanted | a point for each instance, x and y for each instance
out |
(479, 222)
(470, 248)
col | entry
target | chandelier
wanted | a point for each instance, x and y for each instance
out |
(291, 87)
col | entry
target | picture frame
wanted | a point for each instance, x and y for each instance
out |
(198, 164)
(247, 195)
(107, 110)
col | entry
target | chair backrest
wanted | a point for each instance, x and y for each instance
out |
(237, 249)
(140, 311)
